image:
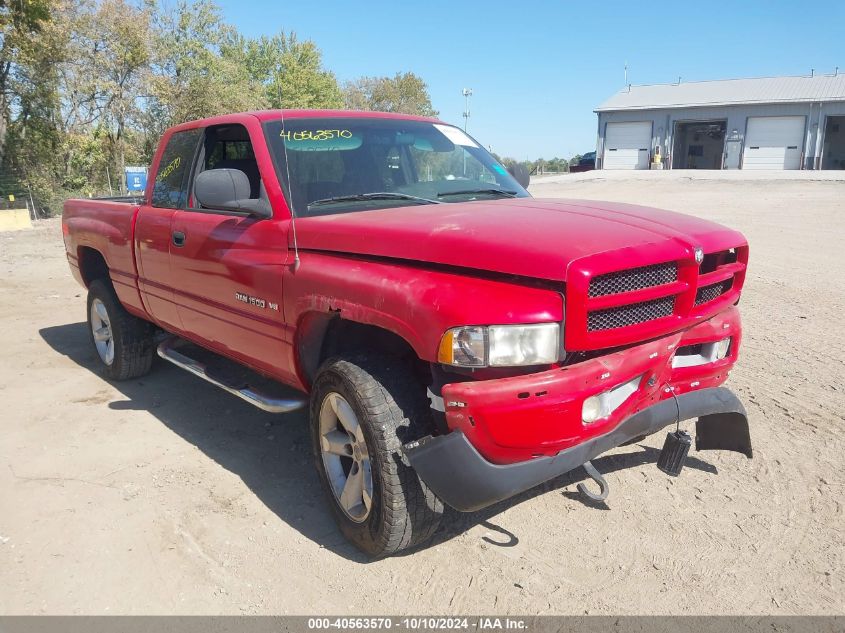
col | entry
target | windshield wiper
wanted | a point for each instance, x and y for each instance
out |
(380, 195)
(464, 192)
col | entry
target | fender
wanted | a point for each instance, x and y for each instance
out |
(415, 303)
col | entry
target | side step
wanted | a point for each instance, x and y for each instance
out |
(167, 351)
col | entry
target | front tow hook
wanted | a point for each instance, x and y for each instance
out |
(595, 475)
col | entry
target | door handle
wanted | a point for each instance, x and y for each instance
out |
(178, 238)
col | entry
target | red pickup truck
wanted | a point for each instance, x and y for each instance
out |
(456, 340)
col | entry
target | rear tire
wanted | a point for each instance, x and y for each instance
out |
(381, 408)
(124, 344)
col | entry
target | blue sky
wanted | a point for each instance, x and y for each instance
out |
(538, 69)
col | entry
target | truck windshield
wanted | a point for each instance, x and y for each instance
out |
(341, 165)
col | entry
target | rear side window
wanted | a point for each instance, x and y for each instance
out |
(229, 150)
(171, 183)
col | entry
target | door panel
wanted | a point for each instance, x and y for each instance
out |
(152, 239)
(228, 286)
(167, 192)
(773, 142)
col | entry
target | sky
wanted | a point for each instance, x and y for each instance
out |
(538, 70)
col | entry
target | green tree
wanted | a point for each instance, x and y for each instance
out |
(20, 23)
(291, 72)
(557, 165)
(32, 123)
(357, 94)
(109, 60)
(87, 86)
(196, 69)
(404, 92)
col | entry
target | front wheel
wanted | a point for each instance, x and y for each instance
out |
(362, 412)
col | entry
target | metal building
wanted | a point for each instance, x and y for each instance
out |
(762, 123)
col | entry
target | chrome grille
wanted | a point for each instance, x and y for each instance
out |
(633, 279)
(623, 316)
(713, 291)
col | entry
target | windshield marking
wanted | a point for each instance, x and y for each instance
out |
(353, 164)
(455, 135)
(314, 135)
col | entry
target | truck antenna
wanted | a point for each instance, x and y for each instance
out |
(287, 174)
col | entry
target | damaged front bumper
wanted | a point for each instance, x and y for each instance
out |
(458, 474)
(509, 434)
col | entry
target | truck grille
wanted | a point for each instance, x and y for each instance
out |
(706, 294)
(605, 310)
(623, 316)
(633, 279)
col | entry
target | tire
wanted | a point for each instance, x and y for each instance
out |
(129, 350)
(391, 409)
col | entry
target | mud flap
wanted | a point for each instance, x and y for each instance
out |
(723, 432)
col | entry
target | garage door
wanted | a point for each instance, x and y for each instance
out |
(773, 142)
(626, 145)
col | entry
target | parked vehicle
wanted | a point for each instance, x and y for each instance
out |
(587, 162)
(455, 340)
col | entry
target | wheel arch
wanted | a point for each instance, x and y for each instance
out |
(322, 335)
(92, 265)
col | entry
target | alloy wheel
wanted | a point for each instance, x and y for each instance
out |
(101, 329)
(345, 457)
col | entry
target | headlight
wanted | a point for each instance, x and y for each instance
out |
(500, 345)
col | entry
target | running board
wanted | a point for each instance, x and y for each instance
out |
(167, 351)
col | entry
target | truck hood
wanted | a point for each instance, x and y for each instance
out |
(521, 236)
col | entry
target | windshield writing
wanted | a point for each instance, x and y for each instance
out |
(357, 164)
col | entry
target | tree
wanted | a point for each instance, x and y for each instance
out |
(87, 86)
(357, 94)
(20, 23)
(196, 69)
(291, 72)
(31, 134)
(557, 165)
(109, 57)
(404, 92)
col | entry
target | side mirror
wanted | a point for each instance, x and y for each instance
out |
(228, 190)
(520, 174)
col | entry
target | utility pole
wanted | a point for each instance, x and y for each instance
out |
(467, 92)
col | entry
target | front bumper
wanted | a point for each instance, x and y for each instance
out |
(524, 417)
(458, 474)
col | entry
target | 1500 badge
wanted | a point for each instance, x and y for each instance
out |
(255, 301)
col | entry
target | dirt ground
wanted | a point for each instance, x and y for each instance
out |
(165, 495)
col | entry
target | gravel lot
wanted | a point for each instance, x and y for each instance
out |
(165, 495)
